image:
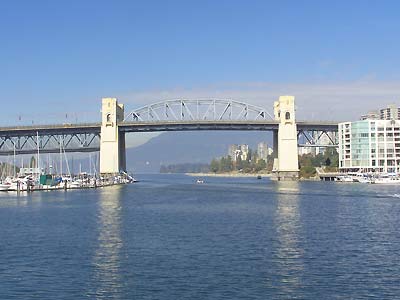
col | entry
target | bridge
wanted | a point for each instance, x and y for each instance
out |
(108, 136)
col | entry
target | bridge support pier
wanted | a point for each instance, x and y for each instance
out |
(286, 165)
(112, 142)
(275, 149)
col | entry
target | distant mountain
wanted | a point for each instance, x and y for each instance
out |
(189, 147)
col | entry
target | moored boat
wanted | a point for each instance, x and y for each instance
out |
(387, 179)
(4, 187)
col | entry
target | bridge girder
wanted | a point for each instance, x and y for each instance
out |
(87, 139)
(317, 138)
(49, 143)
(198, 110)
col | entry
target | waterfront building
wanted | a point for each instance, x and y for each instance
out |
(307, 150)
(369, 146)
(390, 113)
(371, 115)
(262, 151)
(244, 151)
(232, 151)
(236, 151)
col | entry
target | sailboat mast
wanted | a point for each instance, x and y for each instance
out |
(38, 154)
(61, 156)
(15, 170)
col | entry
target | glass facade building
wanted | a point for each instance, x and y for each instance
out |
(369, 146)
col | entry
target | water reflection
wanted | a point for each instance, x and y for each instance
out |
(288, 251)
(106, 260)
(36, 198)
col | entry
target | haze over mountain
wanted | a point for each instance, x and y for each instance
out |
(189, 147)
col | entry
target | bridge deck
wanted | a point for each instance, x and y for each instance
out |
(162, 126)
(85, 137)
(50, 129)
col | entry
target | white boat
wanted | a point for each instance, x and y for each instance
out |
(4, 186)
(355, 177)
(75, 184)
(22, 183)
(363, 179)
(386, 179)
(344, 178)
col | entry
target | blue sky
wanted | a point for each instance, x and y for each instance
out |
(61, 57)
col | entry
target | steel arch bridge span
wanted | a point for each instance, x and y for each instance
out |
(198, 110)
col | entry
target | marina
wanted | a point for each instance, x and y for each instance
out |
(54, 182)
(371, 178)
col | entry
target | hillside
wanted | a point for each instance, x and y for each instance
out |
(188, 147)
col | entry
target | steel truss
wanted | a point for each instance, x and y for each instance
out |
(317, 138)
(198, 110)
(49, 143)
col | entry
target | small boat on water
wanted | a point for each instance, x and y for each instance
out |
(4, 187)
(199, 181)
(259, 177)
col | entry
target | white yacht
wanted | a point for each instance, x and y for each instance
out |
(355, 177)
(362, 178)
(390, 178)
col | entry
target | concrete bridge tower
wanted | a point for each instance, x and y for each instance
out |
(286, 165)
(112, 142)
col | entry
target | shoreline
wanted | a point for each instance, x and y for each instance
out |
(227, 174)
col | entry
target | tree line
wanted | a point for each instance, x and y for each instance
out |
(252, 164)
(185, 168)
(226, 164)
(309, 162)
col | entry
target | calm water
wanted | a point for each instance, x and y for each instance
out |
(229, 238)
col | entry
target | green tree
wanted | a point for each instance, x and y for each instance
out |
(214, 166)
(246, 167)
(307, 171)
(223, 166)
(260, 165)
(239, 163)
(328, 162)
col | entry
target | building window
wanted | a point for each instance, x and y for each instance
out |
(108, 118)
(287, 115)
